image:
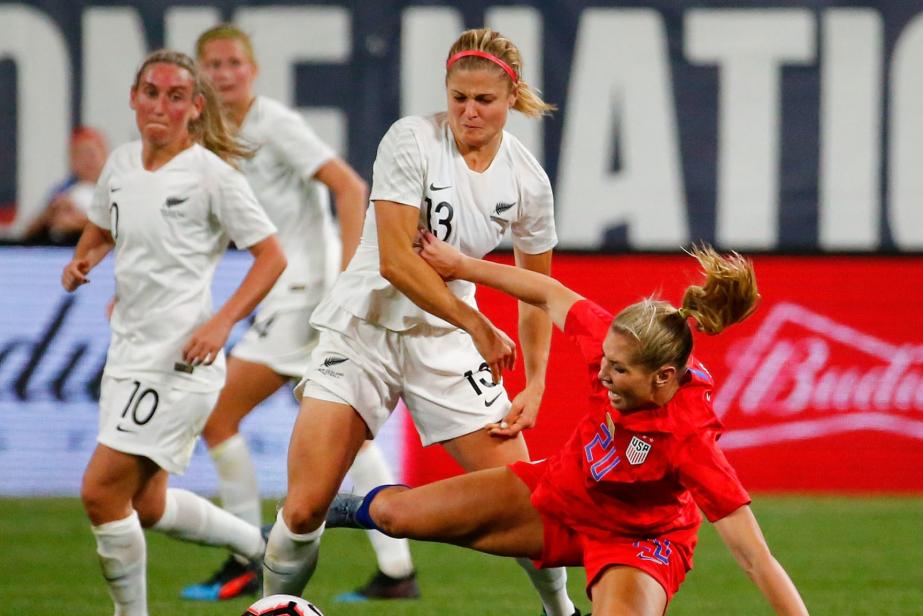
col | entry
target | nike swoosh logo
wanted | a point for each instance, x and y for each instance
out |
(171, 201)
(434, 188)
(115, 188)
(490, 402)
(333, 361)
(121, 429)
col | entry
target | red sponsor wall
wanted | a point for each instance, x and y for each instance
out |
(820, 390)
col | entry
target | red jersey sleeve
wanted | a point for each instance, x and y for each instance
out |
(586, 325)
(706, 473)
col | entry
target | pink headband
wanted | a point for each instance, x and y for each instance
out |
(487, 56)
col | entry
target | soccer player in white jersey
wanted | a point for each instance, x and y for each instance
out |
(290, 173)
(392, 328)
(167, 206)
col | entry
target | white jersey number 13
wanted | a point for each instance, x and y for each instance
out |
(439, 218)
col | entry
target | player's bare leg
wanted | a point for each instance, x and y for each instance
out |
(626, 591)
(480, 450)
(488, 510)
(110, 481)
(324, 443)
(248, 384)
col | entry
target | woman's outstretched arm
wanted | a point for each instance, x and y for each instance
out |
(743, 537)
(531, 287)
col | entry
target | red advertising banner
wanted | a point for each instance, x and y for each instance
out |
(820, 390)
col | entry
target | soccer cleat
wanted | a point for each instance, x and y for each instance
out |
(232, 580)
(342, 512)
(383, 586)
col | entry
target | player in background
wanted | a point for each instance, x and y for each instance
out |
(66, 212)
(392, 329)
(167, 206)
(290, 174)
(621, 497)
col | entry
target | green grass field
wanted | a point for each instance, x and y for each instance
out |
(847, 556)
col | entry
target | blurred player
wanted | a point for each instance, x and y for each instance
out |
(391, 328)
(167, 205)
(622, 496)
(65, 215)
(290, 174)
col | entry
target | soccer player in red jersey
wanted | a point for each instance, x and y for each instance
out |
(621, 498)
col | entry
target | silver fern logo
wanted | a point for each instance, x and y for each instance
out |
(502, 207)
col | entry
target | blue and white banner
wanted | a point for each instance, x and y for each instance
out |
(52, 351)
(760, 125)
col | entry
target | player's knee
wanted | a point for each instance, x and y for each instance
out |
(93, 501)
(390, 516)
(148, 513)
(303, 517)
(147, 519)
(97, 502)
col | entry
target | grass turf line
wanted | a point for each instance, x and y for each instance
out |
(847, 556)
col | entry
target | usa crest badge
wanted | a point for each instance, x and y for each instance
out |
(637, 451)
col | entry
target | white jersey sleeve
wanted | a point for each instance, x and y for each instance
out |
(98, 213)
(400, 166)
(295, 142)
(534, 231)
(237, 209)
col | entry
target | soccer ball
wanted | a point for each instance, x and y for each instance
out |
(282, 605)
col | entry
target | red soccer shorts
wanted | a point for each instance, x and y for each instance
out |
(667, 558)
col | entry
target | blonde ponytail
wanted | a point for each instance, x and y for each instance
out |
(728, 295)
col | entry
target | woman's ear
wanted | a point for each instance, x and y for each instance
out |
(664, 375)
(199, 104)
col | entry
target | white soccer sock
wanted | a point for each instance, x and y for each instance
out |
(370, 469)
(123, 557)
(290, 559)
(551, 585)
(192, 518)
(237, 485)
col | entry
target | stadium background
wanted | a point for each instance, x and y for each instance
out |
(788, 130)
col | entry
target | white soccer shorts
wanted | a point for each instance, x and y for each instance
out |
(153, 420)
(442, 378)
(280, 339)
